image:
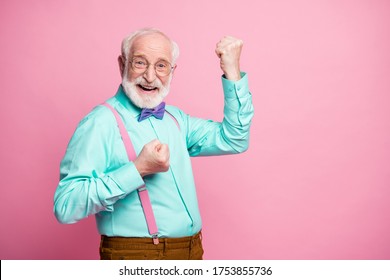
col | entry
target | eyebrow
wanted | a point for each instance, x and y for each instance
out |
(144, 57)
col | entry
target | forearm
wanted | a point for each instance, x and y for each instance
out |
(232, 134)
(81, 195)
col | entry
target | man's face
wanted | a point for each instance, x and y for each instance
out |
(147, 87)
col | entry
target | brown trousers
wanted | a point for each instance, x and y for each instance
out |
(134, 248)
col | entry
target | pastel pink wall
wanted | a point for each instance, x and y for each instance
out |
(315, 183)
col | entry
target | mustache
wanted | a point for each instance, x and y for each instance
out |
(141, 81)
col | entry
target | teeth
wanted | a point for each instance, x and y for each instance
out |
(147, 87)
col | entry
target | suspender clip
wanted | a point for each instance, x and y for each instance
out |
(155, 239)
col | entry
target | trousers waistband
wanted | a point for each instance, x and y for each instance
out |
(129, 242)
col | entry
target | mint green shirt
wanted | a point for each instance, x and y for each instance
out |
(96, 178)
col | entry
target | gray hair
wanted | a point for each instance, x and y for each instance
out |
(128, 41)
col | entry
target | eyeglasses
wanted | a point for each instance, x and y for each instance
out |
(141, 65)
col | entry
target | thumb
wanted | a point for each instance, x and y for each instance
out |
(158, 147)
(162, 148)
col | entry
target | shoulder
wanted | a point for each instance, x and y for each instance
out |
(174, 111)
(100, 119)
(177, 115)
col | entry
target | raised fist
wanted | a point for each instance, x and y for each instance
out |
(229, 51)
(153, 158)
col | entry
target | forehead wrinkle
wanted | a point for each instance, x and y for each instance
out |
(156, 48)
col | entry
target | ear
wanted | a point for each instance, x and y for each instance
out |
(174, 69)
(121, 62)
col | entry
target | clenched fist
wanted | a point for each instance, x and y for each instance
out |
(153, 158)
(229, 50)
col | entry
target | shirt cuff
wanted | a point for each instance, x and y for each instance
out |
(128, 177)
(234, 89)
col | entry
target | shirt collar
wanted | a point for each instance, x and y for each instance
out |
(126, 102)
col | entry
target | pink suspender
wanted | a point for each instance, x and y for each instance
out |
(174, 119)
(142, 191)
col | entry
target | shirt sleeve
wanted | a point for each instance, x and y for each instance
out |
(94, 172)
(206, 137)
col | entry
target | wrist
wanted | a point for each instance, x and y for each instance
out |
(233, 75)
(142, 172)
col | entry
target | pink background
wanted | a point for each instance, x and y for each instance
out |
(314, 183)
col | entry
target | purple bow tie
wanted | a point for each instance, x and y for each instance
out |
(157, 112)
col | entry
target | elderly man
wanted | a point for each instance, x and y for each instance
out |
(128, 162)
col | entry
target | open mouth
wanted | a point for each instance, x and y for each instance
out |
(147, 88)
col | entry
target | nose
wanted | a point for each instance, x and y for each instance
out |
(150, 74)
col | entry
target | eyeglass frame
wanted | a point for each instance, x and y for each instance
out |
(171, 68)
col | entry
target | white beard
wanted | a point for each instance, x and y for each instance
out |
(144, 100)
